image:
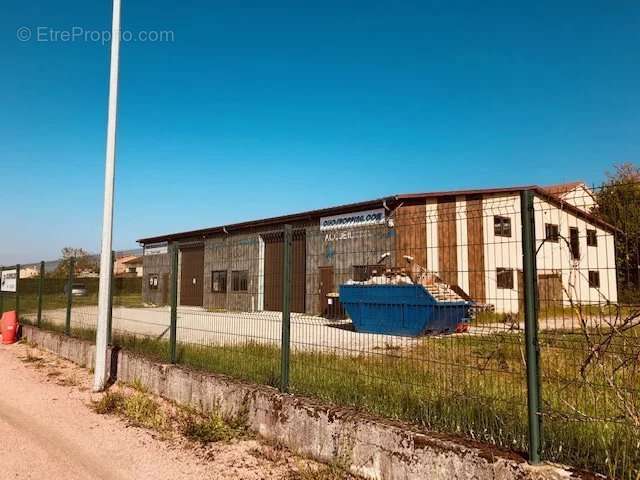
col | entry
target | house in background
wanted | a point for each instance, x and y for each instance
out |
(575, 193)
(29, 271)
(128, 266)
(469, 241)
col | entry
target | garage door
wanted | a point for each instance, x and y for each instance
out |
(274, 268)
(192, 276)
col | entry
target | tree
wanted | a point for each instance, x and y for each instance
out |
(619, 205)
(84, 262)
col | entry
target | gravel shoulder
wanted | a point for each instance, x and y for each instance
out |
(50, 431)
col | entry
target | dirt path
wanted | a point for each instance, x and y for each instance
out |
(49, 431)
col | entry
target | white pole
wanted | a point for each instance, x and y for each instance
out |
(100, 377)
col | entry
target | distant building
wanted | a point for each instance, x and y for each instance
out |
(128, 265)
(29, 271)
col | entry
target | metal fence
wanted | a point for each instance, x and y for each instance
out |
(509, 318)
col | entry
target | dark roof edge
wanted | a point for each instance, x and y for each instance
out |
(380, 202)
(294, 217)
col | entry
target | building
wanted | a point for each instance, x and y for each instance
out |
(128, 265)
(29, 271)
(469, 241)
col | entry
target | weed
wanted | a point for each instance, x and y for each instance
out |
(143, 411)
(68, 381)
(138, 386)
(321, 472)
(30, 357)
(112, 402)
(209, 428)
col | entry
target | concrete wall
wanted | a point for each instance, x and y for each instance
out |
(373, 448)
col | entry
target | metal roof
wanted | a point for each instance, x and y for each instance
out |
(387, 202)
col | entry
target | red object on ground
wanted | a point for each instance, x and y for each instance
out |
(462, 327)
(9, 327)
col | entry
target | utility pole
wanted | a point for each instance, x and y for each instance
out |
(100, 377)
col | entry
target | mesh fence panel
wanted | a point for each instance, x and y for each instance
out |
(589, 336)
(414, 313)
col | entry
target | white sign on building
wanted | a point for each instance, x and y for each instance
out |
(8, 282)
(353, 220)
(156, 249)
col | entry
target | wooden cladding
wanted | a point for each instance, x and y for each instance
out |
(411, 234)
(274, 269)
(447, 241)
(475, 248)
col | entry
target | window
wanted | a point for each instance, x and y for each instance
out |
(594, 279)
(219, 281)
(240, 280)
(552, 232)
(574, 242)
(152, 280)
(592, 238)
(505, 277)
(501, 226)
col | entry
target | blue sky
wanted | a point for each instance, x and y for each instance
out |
(264, 108)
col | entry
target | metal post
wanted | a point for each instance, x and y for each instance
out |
(174, 303)
(531, 324)
(286, 307)
(100, 375)
(18, 291)
(110, 312)
(67, 323)
(40, 293)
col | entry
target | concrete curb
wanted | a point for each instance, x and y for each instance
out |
(373, 448)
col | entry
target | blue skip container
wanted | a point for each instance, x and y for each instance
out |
(405, 310)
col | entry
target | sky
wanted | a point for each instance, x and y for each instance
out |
(244, 110)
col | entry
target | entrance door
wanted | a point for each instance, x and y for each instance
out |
(549, 291)
(192, 276)
(327, 285)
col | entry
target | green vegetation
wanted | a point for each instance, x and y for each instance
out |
(209, 428)
(140, 409)
(321, 472)
(474, 386)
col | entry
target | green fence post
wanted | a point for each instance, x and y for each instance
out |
(67, 323)
(174, 303)
(40, 293)
(110, 308)
(286, 308)
(18, 292)
(531, 324)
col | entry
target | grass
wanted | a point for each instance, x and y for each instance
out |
(321, 472)
(211, 427)
(140, 409)
(552, 312)
(474, 386)
(54, 301)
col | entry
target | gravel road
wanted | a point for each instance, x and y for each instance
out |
(49, 431)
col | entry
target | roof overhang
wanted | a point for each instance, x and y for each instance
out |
(389, 203)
